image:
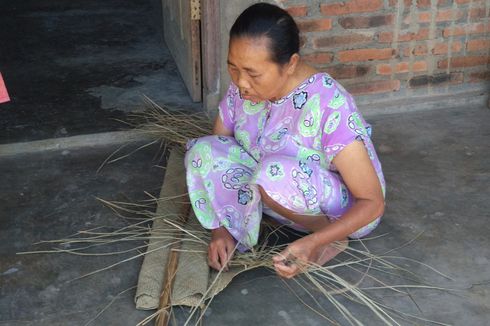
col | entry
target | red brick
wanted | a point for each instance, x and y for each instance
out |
(341, 40)
(476, 28)
(350, 7)
(384, 69)
(347, 71)
(387, 37)
(366, 54)
(318, 58)
(448, 15)
(479, 76)
(436, 80)
(477, 45)
(298, 11)
(401, 67)
(374, 87)
(418, 50)
(427, 4)
(477, 13)
(442, 48)
(366, 22)
(314, 25)
(418, 66)
(468, 61)
(441, 16)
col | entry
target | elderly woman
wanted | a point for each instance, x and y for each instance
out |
(289, 142)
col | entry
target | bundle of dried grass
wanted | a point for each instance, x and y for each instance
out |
(171, 125)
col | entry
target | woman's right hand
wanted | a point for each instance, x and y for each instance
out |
(221, 248)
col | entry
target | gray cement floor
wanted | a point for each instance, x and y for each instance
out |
(73, 67)
(437, 166)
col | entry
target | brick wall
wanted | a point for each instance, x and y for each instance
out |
(389, 50)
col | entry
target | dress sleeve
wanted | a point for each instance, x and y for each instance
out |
(343, 124)
(227, 107)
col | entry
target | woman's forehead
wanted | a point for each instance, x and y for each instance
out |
(248, 50)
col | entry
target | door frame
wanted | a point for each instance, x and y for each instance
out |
(210, 54)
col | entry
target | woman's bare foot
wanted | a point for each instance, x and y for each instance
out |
(329, 251)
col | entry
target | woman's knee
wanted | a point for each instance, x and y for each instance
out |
(210, 139)
(203, 150)
(199, 154)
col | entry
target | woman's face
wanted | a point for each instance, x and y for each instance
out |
(252, 70)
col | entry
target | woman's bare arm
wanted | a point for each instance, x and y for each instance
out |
(358, 173)
(222, 244)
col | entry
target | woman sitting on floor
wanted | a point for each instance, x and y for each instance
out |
(289, 142)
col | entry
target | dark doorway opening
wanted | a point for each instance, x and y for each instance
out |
(74, 67)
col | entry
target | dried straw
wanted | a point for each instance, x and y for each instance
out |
(170, 125)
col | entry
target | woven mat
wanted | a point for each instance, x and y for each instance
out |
(194, 277)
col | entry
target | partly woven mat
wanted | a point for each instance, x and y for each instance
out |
(193, 278)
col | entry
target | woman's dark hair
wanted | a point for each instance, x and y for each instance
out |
(266, 20)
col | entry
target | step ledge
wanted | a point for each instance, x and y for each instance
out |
(72, 142)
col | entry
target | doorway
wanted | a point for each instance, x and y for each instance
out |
(76, 67)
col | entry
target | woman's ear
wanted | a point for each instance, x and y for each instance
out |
(293, 63)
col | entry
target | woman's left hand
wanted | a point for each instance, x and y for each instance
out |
(304, 253)
(295, 258)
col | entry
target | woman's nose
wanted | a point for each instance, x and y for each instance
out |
(242, 82)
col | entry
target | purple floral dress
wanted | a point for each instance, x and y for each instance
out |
(286, 147)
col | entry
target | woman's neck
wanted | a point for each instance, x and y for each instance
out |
(302, 72)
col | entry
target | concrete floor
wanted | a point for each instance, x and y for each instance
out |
(72, 67)
(437, 166)
(50, 196)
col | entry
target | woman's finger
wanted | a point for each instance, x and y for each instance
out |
(286, 271)
(283, 256)
(213, 260)
(223, 258)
